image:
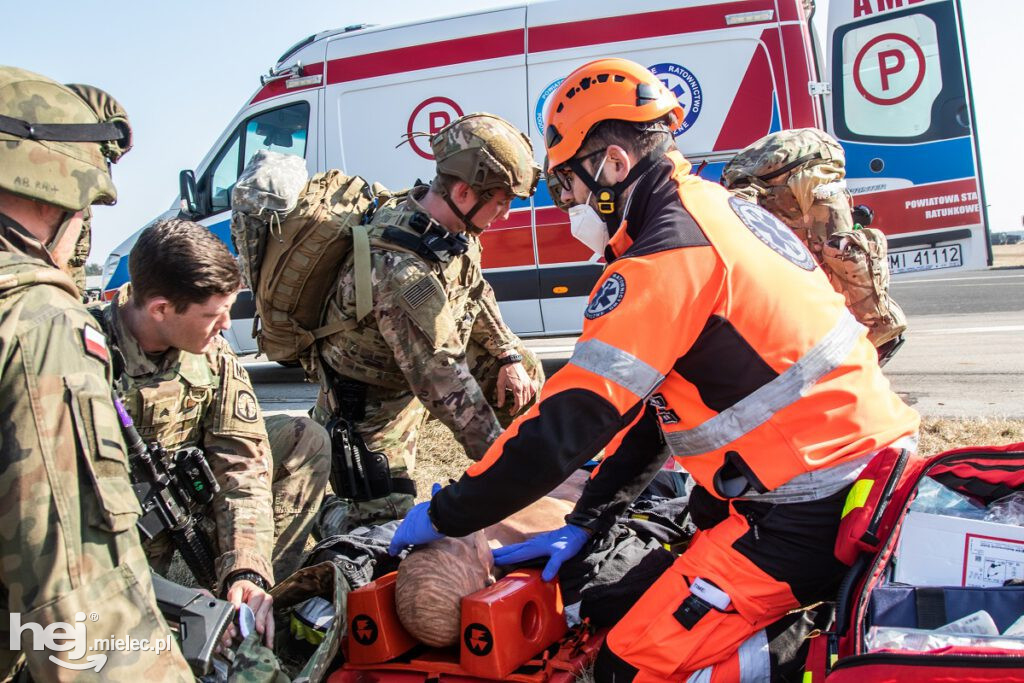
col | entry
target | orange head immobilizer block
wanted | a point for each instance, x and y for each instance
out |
(506, 624)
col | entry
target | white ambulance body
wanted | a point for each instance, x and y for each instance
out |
(741, 69)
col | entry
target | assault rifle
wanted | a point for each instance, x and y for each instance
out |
(170, 487)
(199, 619)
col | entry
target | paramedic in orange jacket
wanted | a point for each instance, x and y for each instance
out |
(712, 337)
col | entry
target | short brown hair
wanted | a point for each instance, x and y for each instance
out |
(183, 262)
(639, 139)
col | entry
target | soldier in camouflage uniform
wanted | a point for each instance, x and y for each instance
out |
(435, 342)
(798, 175)
(184, 387)
(70, 548)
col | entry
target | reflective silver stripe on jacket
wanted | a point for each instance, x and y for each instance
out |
(823, 483)
(616, 365)
(757, 408)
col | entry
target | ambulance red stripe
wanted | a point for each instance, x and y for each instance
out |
(514, 42)
(637, 26)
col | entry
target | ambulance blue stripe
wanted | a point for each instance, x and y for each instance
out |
(776, 116)
(928, 162)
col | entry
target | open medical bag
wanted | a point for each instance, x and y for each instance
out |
(929, 553)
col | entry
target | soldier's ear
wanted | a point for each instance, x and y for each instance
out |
(158, 308)
(462, 193)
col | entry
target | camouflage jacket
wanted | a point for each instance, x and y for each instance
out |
(184, 399)
(424, 316)
(69, 506)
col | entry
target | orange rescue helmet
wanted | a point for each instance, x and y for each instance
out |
(600, 90)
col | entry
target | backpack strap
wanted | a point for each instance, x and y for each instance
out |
(335, 327)
(361, 264)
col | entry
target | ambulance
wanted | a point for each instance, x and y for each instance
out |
(891, 83)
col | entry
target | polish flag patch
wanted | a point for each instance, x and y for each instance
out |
(95, 343)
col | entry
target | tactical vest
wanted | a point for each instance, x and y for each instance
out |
(169, 406)
(357, 350)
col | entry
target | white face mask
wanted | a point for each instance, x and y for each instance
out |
(585, 223)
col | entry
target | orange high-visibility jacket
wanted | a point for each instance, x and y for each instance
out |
(713, 320)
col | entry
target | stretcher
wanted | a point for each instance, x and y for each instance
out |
(513, 630)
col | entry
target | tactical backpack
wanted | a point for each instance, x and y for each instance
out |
(292, 236)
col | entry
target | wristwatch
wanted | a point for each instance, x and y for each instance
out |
(510, 359)
(247, 576)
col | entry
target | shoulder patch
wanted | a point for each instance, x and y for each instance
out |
(246, 408)
(607, 297)
(238, 371)
(95, 343)
(420, 291)
(773, 232)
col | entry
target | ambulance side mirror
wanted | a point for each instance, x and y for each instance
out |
(189, 197)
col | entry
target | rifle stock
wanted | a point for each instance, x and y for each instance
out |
(200, 619)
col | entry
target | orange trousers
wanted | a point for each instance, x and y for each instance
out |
(714, 613)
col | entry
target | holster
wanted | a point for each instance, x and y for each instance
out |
(357, 473)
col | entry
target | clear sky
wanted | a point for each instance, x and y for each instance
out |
(183, 69)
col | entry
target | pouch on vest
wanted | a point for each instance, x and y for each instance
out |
(292, 238)
(868, 516)
(857, 264)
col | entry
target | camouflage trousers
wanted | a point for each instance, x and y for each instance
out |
(392, 426)
(302, 463)
(71, 554)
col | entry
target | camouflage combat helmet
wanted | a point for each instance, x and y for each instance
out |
(488, 153)
(51, 143)
(108, 110)
(798, 175)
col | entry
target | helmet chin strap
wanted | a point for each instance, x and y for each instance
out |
(607, 196)
(63, 228)
(467, 218)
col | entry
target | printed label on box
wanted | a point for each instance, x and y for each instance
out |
(990, 561)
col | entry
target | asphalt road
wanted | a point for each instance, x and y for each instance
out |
(964, 356)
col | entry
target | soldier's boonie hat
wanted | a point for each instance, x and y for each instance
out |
(488, 153)
(50, 143)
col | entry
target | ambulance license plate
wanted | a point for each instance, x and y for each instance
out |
(911, 260)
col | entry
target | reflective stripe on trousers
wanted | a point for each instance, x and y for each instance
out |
(755, 664)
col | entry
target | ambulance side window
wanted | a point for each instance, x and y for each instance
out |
(282, 130)
(223, 175)
(899, 77)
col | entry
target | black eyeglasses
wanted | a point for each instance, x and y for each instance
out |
(564, 175)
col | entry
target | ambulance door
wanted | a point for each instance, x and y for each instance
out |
(901, 106)
(387, 87)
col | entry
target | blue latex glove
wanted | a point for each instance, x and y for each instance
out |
(560, 545)
(416, 528)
